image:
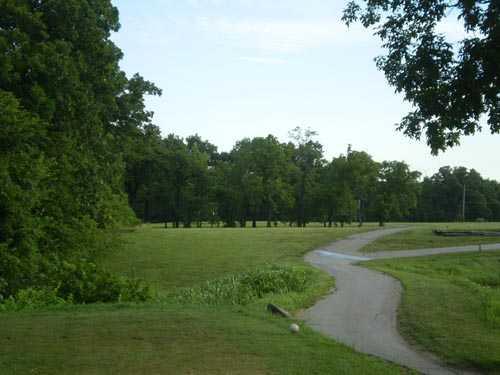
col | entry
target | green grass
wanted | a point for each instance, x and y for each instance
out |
(163, 337)
(421, 236)
(169, 258)
(451, 306)
(171, 340)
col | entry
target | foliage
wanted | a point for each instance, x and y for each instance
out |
(33, 299)
(186, 181)
(442, 195)
(397, 191)
(84, 282)
(69, 118)
(245, 287)
(81, 157)
(451, 85)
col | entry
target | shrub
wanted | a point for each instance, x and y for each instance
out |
(32, 299)
(84, 282)
(246, 287)
(76, 280)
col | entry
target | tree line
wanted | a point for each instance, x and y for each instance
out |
(187, 182)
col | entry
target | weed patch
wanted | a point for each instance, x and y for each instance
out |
(240, 289)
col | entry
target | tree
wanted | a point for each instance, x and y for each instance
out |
(450, 86)
(363, 173)
(336, 193)
(307, 158)
(442, 196)
(397, 191)
(66, 106)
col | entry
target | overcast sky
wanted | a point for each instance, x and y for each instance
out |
(231, 69)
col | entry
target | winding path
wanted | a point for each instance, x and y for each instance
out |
(362, 311)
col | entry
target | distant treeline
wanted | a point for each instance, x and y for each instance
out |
(186, 182)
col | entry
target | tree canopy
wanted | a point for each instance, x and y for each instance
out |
(69, 119)
(450, 84)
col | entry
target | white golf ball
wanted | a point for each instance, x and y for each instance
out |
(294, 328)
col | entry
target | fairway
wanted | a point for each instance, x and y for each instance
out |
(451, 306)
(421, 236)
(169, 258)
(167, 338)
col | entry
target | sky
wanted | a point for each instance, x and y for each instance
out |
(231, 69)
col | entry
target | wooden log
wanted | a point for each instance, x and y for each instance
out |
(276, 310)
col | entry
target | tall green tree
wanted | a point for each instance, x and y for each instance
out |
(450, 85)
(63, 92)
(362, 176)
(397, 192)
(442, 196)
(307, 158)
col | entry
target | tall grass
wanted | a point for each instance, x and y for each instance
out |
(242, 288)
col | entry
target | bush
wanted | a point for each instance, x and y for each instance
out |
(32, 299)
(84, 282)
(246, 287)
(76, 280)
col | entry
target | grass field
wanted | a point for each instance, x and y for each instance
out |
(169, 258)
(163, 337)
(451, 306)
(421, 236)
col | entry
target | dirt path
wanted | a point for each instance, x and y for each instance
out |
(362, 312)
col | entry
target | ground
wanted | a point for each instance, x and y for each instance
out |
(169, 258)
(451, 306)
(421, 236)
(451, 303)
(162, 337)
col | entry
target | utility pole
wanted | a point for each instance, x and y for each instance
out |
(463, 204)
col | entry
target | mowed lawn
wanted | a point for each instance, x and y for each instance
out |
(451, 306)
(163, 337)
(169, 258)
(421, 236)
